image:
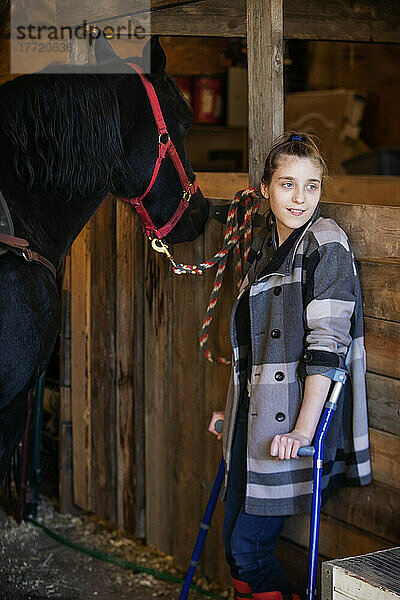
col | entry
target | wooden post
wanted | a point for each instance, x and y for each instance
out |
(65, 435)
(265, 63)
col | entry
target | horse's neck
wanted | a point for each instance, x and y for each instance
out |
(50, 224)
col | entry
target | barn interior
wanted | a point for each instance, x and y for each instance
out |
(127, 395)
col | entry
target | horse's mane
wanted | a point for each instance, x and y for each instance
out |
(64, 132)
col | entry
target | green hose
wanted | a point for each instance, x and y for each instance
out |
(125, 564)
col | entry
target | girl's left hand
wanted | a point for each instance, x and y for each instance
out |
(286, 445)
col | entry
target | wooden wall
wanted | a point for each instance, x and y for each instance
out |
(164, 391)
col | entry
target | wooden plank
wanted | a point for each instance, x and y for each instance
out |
(363, 189)
(382, 342)
(207, 18)
(65, 427)
(265, 64)
(374, 231)
(102, 357)
(374, 21)
(337, 539)
(188, 424)
(71, 12)
(383, 403)
(380, 284)
(216, 378)
(129, 384)
(81, 368)
(222, 185)
(159, 440)
(373, 508)
(385, 457)
(367, 21)
(343, 189)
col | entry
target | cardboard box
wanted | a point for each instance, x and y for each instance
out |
(335, 116)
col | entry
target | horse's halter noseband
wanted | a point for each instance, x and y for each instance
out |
(165, 145)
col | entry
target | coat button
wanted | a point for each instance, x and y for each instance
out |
(275, 334)
(307, 357)
(277, 290)
(279, 376)
(280, 417)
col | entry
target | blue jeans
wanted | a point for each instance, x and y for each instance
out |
(250, 540)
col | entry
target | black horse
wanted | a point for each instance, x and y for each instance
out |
(66, 141)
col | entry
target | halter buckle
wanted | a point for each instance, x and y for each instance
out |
(159, 246)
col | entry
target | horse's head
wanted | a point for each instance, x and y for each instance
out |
(140, 140)
(77, 132)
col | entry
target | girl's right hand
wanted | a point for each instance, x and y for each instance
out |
(218, 415)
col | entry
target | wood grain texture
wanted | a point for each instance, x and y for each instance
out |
(375, 20)
(363, 189)
(373, 508)
(187, 424)
(158, 394)
(337, 539)
(367, 21)
(385, 457)
(373, 231)
(102, 359)
(71, 12)
(265, 67)
(216, 378)
(383, 395)
(80, 369)
(65, 426)
(129, 391)
(382, 342)
(380, 285)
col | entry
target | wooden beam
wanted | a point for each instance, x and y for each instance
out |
(373, 21)
(380, 284)
(337, 539)
(383, 395)
(382, 342)
(73, 12)
(366, 21)
(373, 230)
(373, 508)
(80, 369)
(265, 62)
(363, 189)
(385, 457)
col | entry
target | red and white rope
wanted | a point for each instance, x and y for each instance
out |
(250, 201)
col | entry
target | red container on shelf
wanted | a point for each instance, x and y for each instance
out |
(208, 99)
(185, 84)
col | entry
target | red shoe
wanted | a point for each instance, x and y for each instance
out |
(242, 590)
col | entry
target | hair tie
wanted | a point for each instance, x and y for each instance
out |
(296, 138)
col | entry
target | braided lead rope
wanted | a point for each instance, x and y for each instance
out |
(233, 233)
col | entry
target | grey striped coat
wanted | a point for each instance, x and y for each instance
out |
(305, 318)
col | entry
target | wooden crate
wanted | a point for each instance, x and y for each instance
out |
(374, 576)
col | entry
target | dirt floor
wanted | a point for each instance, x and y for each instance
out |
(34, 566)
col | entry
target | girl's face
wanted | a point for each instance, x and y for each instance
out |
(293, 193)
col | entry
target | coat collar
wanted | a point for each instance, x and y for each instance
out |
(278, 260)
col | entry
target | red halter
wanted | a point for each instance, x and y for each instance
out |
(165, 145)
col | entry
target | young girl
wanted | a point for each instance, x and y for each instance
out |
(297, 318)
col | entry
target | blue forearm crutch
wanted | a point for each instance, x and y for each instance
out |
(317, 451)
(205, 524)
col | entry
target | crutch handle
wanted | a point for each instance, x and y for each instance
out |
(219, 425)
(306, 451)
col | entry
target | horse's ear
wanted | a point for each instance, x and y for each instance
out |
(153, 56)
(103, 50)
